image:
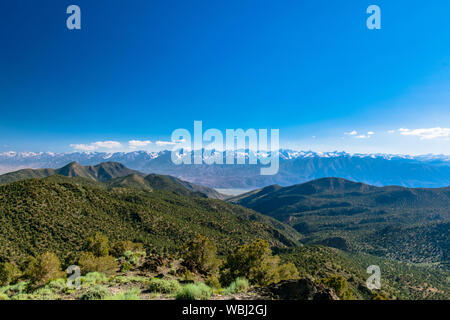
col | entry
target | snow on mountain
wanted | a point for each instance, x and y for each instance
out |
(285, 154)
(295, 167)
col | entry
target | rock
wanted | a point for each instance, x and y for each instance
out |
(302, 289)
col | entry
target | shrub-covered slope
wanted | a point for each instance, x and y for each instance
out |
(395, 222)
(58, 213)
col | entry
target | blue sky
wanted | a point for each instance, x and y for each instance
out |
(137, 70)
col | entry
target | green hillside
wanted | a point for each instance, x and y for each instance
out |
(115, 175)
(394, 222)
(399, 279)
(58, 213)
(101, 172)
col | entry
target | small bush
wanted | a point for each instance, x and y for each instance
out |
(288, 271)
(132, 294)
(15, 289)
(340, 286)
(21, 296)
(97, 292)
(93, 278)
(9, 273)
(199, 291)
(88, 262)
(131, 259)
(3, 297)
(164, 286)
(59, 285)
(237, 286)
(254, 262)
(125, 266)
(380, 296)
(44, 268)
(213, 282)
(43, 294)
(200, 255)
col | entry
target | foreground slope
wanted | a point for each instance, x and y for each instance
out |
(58, 213)
(396, 222)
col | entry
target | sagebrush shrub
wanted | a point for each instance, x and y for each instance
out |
(131, 259)
(198, 291)
(44, 293)
(93, 278)
(97, 292)
(88, 262)
(164, 286)
(15, 289)
(237, 286)
(58, 285)
(132, 294)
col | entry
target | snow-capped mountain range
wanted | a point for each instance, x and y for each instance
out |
(295, 167)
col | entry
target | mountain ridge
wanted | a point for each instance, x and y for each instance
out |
(115, 174)
(295, 167)
(409, 224)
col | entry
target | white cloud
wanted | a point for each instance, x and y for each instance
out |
(138, 143)
(96, 145)
(107, 144)
(165, 143)
(83, 147)
(391, 131)
(426, 134)
(354, 133)
(169, 143)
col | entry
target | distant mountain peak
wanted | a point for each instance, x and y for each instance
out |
(72, 164)
(334, 184)
(295, 167)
